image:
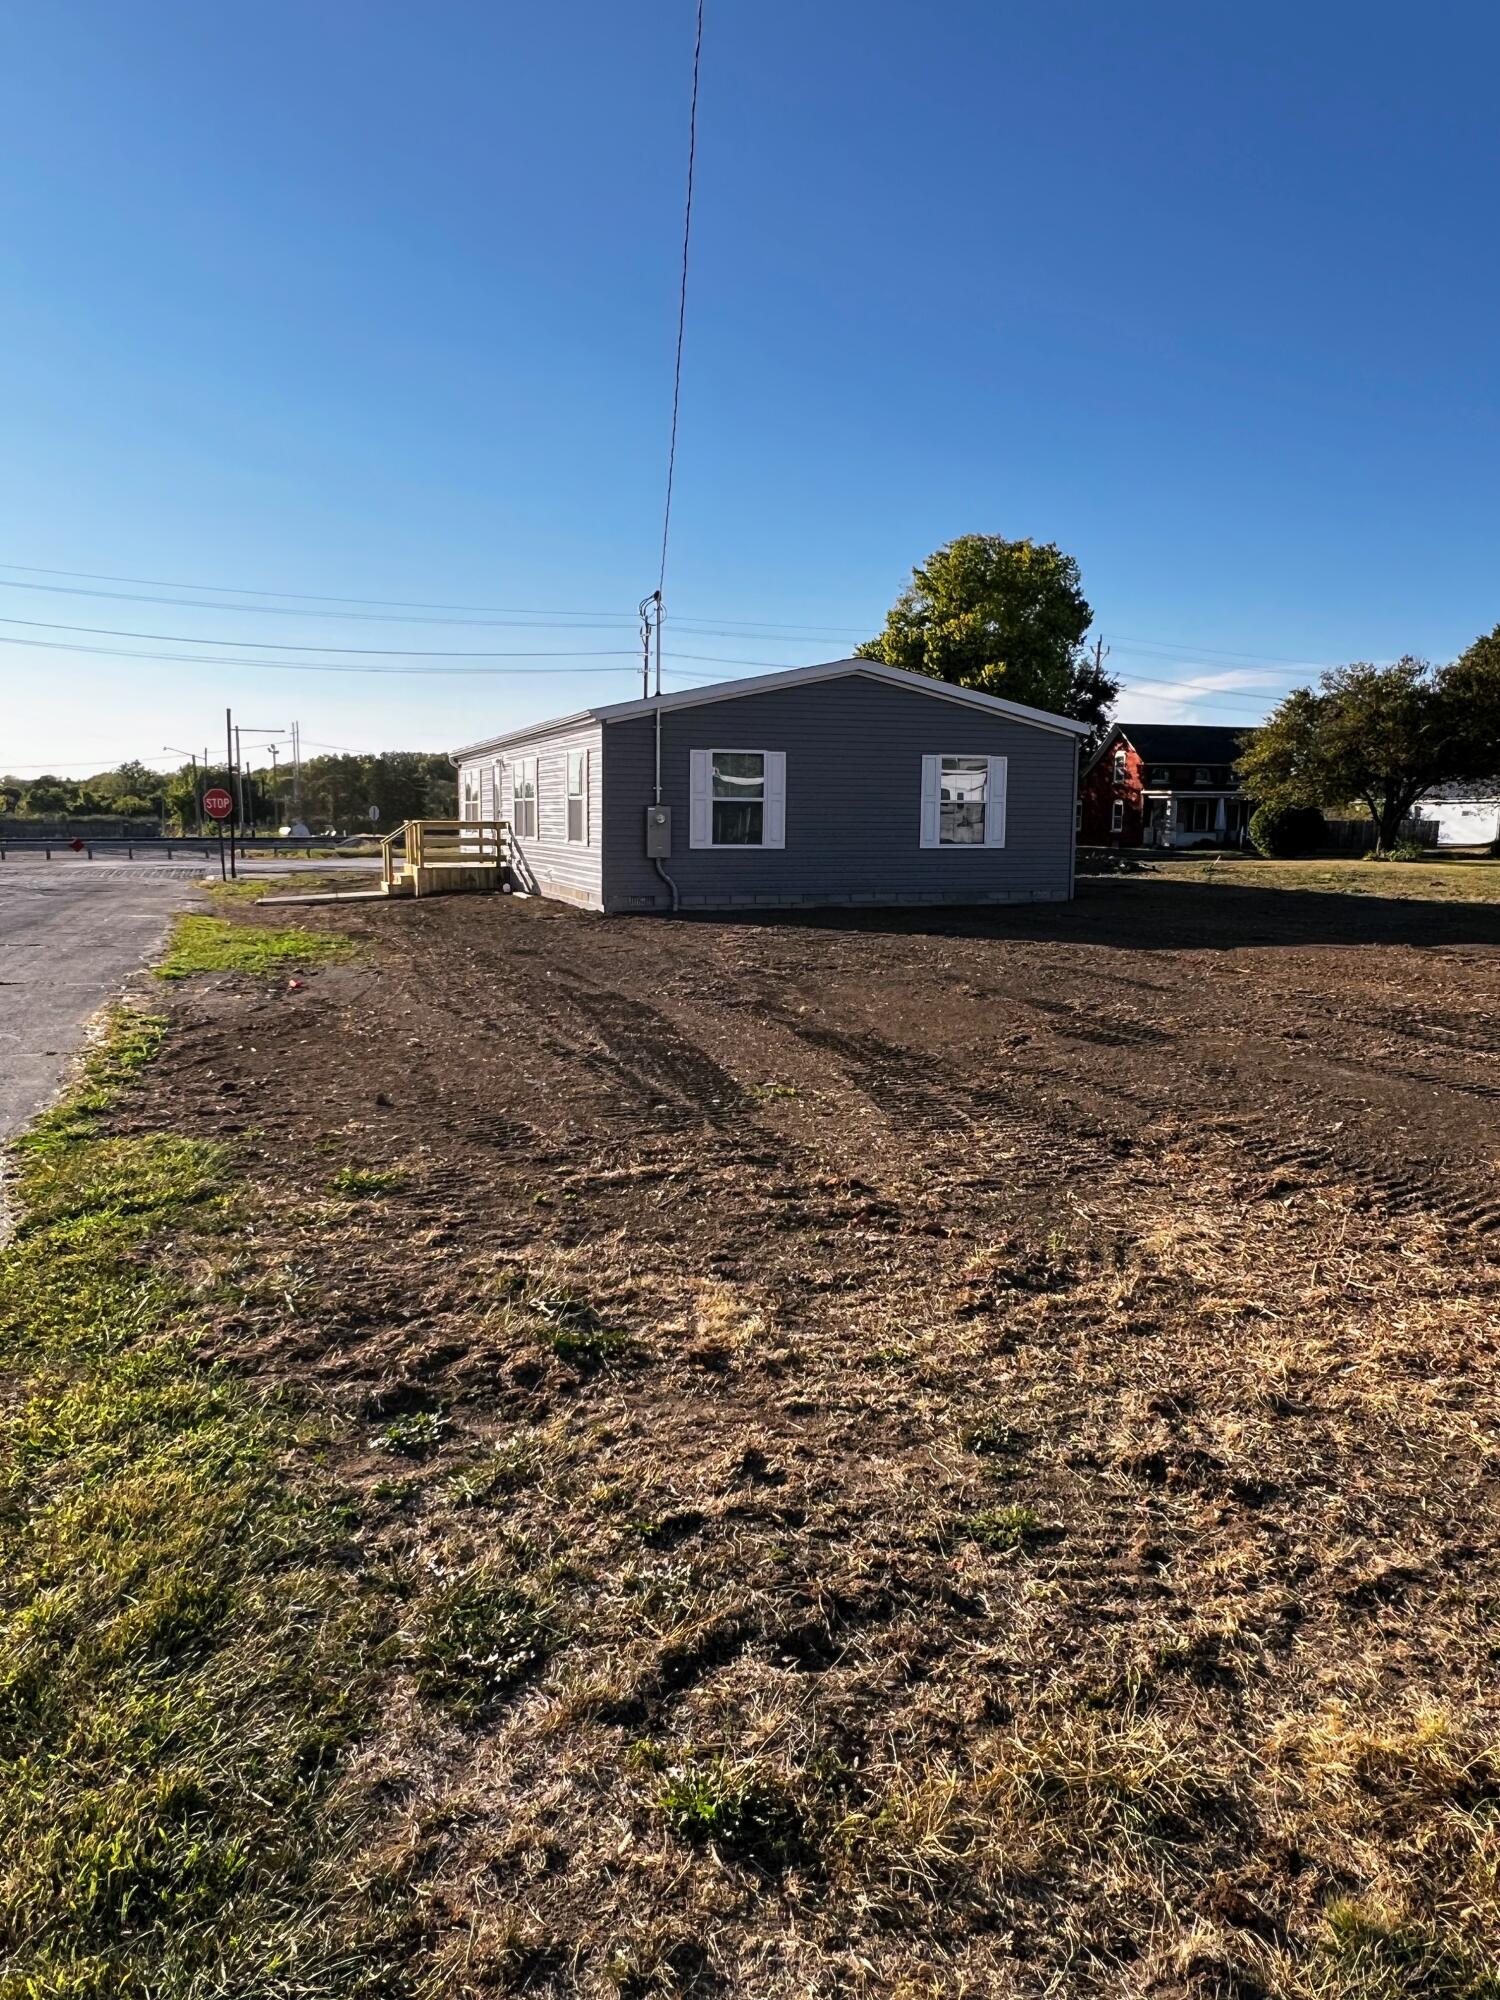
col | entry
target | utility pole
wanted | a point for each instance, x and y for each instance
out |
(197, 796)
(645, 608)
(297, 772)
(229, 774)
(239, 786)
(275, 806)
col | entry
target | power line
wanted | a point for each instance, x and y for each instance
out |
(291, 666)
(494, 614)
(583, 621)
(272, 646)
(687, 231)
(307, 596)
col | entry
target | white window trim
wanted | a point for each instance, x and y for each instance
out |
(929, 819)
(569, 837)
(517, 766)
(701, 801)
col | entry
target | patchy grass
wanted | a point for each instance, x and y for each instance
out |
(251, 889)
(561, 1318)
(183, 1660)
(476, 1638)
(364, 1183)
(219, 944)
(1469, 881)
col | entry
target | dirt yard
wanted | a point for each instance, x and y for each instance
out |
(1001, 1410)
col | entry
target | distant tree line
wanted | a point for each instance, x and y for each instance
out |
(337, 791)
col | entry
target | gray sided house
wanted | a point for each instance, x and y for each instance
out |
(848, 783)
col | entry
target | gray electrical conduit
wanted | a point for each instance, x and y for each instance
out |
(677, 901)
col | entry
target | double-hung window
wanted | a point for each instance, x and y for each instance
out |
(737, 798)
(963, 801)
(523, 798)
(578, 795)
(1121, 767)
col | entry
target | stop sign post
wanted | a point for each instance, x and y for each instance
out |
(217, 806)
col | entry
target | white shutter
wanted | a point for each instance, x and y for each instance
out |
(486, 793)
(700, 800)
(994, 814)
(931, 815)
(773, 820)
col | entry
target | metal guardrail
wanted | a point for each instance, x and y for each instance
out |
(167, 849)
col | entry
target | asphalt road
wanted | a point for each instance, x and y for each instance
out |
(71, 933)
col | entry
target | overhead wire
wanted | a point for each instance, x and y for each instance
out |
(687, 231)
(275, 646)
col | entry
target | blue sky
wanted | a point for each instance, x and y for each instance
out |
(377, 302)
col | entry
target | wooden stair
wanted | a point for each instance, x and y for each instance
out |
(445, 857)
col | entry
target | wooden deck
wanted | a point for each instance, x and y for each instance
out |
(444, 857)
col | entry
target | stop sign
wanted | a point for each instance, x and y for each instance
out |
(217, 803)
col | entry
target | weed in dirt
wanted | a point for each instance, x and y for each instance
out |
(992, 1437)
(476, 1638)
(506, 1469)
(219, 944)
(415, 1435)
(743, 1809)
(575, 1331)
(767, 1093)
(365, 1183)
(1006, 1528)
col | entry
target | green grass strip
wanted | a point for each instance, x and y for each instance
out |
(218, 944)
(186, 1650)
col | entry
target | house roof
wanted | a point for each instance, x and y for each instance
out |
(1179, 742)
(1482, 790)
(828, 670)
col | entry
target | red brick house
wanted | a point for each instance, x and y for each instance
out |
(1164, 784)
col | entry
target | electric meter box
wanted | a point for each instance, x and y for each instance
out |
(658, 833)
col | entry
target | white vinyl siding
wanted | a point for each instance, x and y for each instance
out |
(963, 801)
(737, 799)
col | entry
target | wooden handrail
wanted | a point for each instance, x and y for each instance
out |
(432, 843)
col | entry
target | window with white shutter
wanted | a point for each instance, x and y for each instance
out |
(737, 798)
(963, 801)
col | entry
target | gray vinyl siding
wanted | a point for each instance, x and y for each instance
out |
(551, 864)
(854, 752)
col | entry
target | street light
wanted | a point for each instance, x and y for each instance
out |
(241, 730)
(197, 797)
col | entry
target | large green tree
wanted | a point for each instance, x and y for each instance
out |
(1380, 737)
(1008, 618)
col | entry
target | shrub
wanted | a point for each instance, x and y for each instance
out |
(1281, 830)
